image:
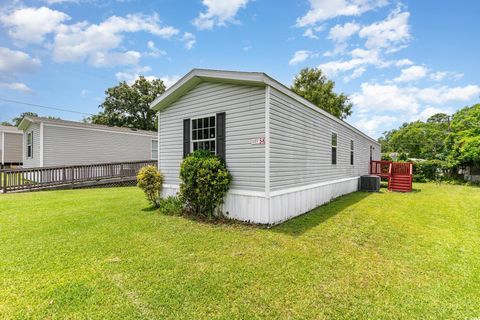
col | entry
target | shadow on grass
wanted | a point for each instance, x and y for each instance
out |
(301, 224)
(150, 209)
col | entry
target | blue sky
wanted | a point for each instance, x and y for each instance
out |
(398, 61)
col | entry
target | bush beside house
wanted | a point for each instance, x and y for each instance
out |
(205, 182)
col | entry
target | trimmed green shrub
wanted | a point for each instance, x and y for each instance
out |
(150, 180)
(205, 182)
(171, 206)
(429, 170)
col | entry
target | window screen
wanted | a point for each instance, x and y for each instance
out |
(203, 134)
(334, 148)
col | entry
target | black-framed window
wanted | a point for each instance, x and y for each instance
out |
(204, 134)
(334, 148)
(371, 153)
(352, 152)
(30, 145)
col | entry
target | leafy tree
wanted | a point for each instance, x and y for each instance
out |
(439, 118)
(463, 141)
(314, 86)
(419, 139)
(129, 105)
(17, 120)
(6, 123)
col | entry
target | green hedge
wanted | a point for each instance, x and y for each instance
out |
(205, 181)
(429, 170)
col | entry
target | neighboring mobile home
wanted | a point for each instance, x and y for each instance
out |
(286, 155)
(49, 142)
(10, 146)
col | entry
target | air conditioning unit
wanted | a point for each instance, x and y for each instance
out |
(370, 183)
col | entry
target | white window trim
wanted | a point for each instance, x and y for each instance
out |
(336, 148)
(151, 149)
(191, 131)
(29, 145)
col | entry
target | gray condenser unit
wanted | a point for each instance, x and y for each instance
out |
(370, 183)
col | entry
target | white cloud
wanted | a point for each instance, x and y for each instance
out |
(322, 10)
(412, 73)
(444, 94)
(356, 74)
(380, 98)
(360, 58)
(51, 2)
(154, 51)
(388, 33)
(130, 76)
(440, 75)
(189, 39)
(13, 63)
(310, 32)
(389, 97)
(371, 124)
(97, 44)
(170, 80)
(218, 13)
(94, 42)
(300, 56)
(430, 111)
(403, 63)
(341, 33)
(16, 86)
(30, 25)
(133, 74)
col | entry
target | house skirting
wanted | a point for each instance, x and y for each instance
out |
(253, 206)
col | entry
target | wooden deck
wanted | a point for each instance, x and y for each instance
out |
(30, 179)
(399, 174)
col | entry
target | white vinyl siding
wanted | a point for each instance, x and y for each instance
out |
(34, 161)
(301, 146)
(13, 147)
(71, 146)
(245, 120)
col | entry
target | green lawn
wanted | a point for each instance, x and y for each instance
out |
(101, 253)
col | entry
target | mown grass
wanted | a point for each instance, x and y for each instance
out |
(103, 253)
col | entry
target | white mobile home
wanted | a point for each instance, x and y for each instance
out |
(285, 154)
(49, 142)
(10, 146)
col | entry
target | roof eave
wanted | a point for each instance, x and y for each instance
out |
(195, 76)
(23, 125)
